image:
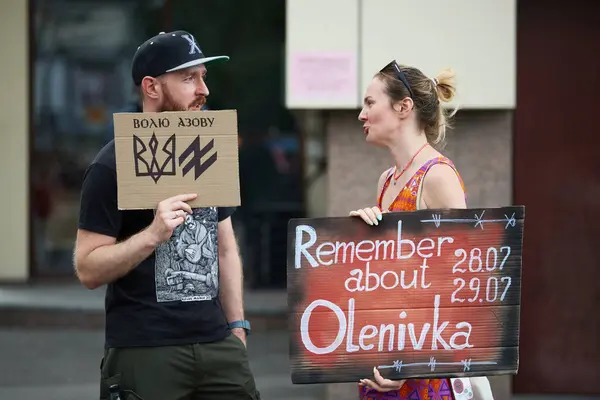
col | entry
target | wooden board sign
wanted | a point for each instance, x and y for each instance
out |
(160, 155)
(432, 293)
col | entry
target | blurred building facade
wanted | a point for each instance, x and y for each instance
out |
(65, 71)
(72, 64)
(538, 148)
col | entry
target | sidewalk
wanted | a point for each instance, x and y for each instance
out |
(63, 364)
(52, 335)
(70, 305)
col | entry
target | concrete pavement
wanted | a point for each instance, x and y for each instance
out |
(51, 338)
(64, 365)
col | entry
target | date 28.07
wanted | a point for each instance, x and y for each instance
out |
(495, 288)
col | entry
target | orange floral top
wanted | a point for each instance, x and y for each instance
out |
(408, 196)
(413, 389)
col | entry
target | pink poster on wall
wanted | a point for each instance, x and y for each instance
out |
(323, 78)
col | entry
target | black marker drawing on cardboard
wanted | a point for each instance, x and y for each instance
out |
(148, 165)
(151, 167)
(197, 153)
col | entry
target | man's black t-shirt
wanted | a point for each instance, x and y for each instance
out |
(172, 297)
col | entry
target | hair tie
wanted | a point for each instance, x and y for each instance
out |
(435, 82)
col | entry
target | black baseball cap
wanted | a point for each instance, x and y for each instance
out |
(166, 52)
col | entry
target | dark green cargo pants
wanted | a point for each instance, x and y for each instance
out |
(207, 371)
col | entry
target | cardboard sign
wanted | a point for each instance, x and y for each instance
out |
(160, 155)
(432, 293)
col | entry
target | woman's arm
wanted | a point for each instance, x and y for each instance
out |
(442, 188)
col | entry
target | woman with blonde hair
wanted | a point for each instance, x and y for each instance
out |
(403, 111)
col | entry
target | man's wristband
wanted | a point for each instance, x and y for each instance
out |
(244, 324)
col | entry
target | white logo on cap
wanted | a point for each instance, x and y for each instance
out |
(193, 46)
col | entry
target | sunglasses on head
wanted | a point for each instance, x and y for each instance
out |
(400, 75)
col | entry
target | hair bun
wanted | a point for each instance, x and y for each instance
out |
(445, 85)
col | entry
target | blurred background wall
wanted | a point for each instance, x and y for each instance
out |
(15, 141)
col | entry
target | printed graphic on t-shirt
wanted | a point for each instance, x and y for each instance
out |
(187, 265)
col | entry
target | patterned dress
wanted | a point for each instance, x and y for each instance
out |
(413, 389)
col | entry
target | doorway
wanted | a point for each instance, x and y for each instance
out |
(557, 178)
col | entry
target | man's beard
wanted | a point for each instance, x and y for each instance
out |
(169, 104)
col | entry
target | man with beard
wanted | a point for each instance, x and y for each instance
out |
(162, 342)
